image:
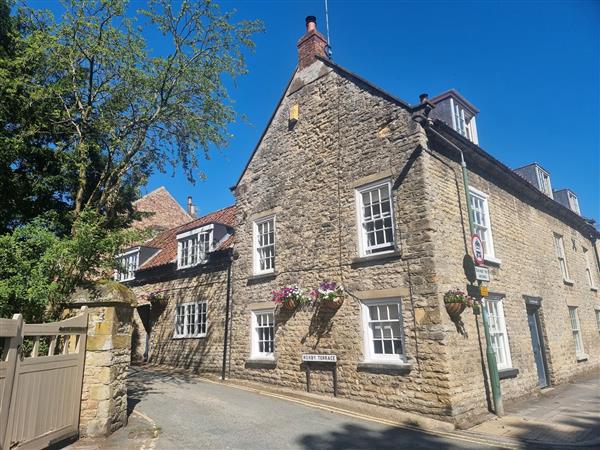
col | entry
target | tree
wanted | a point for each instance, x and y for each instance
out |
(38, 269)
(130, 111)
(33, 181)
(90, 111)
(87, 113)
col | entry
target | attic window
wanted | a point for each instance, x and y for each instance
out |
(193, 246)
(463, 121)
(573, 203)
(544, 182)
(127, 264)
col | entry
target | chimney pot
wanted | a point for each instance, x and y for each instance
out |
(423, 98)
(311, 23)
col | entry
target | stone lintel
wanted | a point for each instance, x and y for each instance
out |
(261, 305)
(378, 294)
(381, 176)
(264, 214)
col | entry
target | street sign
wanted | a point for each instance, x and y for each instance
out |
(477, 247)
(482, 273)
(484, 291)
(319, 358)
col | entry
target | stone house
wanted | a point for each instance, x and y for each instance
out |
(182, 284)
(351, 184)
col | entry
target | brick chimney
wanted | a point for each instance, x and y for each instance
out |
(311, 44)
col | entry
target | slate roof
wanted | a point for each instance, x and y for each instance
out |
(166, 242)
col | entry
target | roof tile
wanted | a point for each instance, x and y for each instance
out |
(167, 241)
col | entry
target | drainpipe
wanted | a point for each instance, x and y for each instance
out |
(491, 356)
(227, 303)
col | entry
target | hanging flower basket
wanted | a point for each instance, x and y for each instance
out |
(289, 304)
(455, 309)
(329, 295)
(456, 302)
(289, 297)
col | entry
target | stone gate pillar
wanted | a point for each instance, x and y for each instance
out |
(107, 359)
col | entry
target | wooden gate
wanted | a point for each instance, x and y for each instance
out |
(41, 376)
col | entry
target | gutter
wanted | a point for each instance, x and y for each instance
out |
(227, 308)
(452, 138)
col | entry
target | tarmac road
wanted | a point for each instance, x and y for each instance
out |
(192, 413)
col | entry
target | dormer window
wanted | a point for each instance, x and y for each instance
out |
(127, 264)
(456, 111)
(193, 246)
(573, 203)
(544, 182)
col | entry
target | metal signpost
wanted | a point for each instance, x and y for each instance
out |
(478, 256)
(307, 359)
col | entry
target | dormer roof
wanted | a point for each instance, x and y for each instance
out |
(166, 242)
(456, 96)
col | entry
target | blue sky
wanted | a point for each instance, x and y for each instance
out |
(531, 67)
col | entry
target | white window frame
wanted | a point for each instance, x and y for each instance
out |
(488, 240)
(124, 260)
(257, 249)
(544, 181)
(573, 202)
(588, 270)
(368, 338)
(195, 254)
(200, 309)
(559, 249)
(576, 330)
(364, 248)
(460, 124)
(255, 352)
(597, 311)
(498, 333)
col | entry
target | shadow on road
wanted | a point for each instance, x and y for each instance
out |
(141, 382)
(353, 436)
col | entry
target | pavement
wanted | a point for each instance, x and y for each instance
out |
(564, 416)
(177, 410)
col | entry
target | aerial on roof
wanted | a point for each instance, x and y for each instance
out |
(166, 242)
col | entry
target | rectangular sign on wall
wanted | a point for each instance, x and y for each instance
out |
(482, 273)
(319, 358)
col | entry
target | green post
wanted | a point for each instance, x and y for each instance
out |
(489, 351)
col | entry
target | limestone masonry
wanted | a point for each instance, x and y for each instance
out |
(362, 189)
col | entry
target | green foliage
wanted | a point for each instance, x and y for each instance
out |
(88, 112)
(38, 269)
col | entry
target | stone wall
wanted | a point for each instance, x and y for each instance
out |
(306, 173)
(200, 354)
(523, 240)
(107, 359)
(347, 135)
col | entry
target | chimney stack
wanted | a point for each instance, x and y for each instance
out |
(191, 208)
(423, 98)
(311, 45)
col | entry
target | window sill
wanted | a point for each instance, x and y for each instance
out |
(568, 282)
(395, 254)
(493, 261)
(508, 373)
(594, 288)
(261, 363)
(581, 358)
(257, 278)
(384, 367)
(200, 336)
